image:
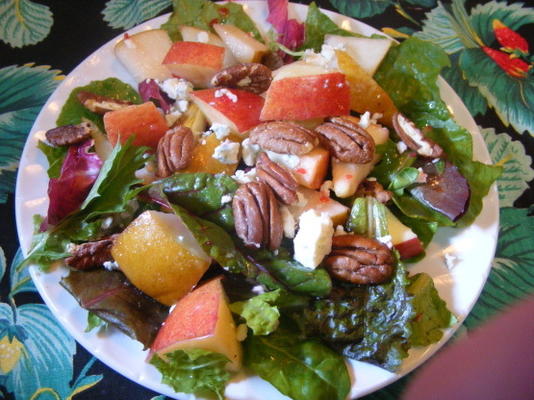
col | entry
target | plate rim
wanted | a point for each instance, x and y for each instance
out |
(81, 337)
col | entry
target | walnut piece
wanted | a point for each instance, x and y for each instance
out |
(284, 137)
(253, 77)
(67, 135)
(100, 104)
(359, 259)
(257, 216)
(175, 150)
(347, 140)
(91, 254)
(278, 178)
(374, 189)
(414, 137)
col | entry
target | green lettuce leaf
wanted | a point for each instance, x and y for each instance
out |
(317, 25)
(431, 312)
(367, 323)
(293, 275)
(110, 195)
(94, 321)
(203, 14)
(260, 312)
(197, 371)
(300, 369)
(217, 243)
(368, 218)
(409, 74)
(73, 112)
(55, 156)
(202, 194)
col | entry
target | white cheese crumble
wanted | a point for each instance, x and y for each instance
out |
(387, 240)
(220, 130)
(326, 58)
(227, 198)
(314, 238)
(225, 92)
(340, 231)
(243, 177)
(106, 223)
(401, 147)
(367, 119)
(289, 161)
(425, 149)
(176, 89)
(111, 265)
(249, 152)
(450, 260)
(288, 222)
(227, 152)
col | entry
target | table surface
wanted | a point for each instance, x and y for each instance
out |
(45, 40)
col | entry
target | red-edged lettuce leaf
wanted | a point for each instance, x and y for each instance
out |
(150, 91)
(78, 173)
(409, 74)
(110, 296)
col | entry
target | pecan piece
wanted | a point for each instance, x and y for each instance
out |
(414, 137)
(91, 254)
(359, 259)
(347, 140)
(257, 216)
(272, 60)
(100, 104)
(278, 178)
(253, 77)
(374, 189)
(68, 134)
(284, 137)
(175, 150)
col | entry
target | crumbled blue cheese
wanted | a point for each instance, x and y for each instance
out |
(386, 240)
(326, 58)
(249, 152)
(289, 161)
(367, 119)
(176, 89)
(225, 92)
(220, 130)
(243, 177)
(314, 238)
(450, 260)
(111, 265)
(401, 147)
(227, 152)
(226, 198)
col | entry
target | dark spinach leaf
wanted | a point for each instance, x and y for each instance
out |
(110, 296)
(203, 194)
(73, 112)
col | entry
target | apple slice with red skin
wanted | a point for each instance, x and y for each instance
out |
(195, 61)
(238, 109)
(307, 97)
(192, 34)
(200, 320)
(144, 121)
(403, 238)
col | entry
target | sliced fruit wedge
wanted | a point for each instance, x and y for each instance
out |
(244, 47)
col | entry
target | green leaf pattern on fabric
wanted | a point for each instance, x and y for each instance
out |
(361, 8)
(517, 170)
(511, 277)
(24, 22)
(23, 91)
(124, 14)
(437, 29)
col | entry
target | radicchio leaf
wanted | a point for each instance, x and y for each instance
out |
(290, 31)
(110, 296)
(78, 173)
(150, 91)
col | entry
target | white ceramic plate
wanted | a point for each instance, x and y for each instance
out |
(460, 286)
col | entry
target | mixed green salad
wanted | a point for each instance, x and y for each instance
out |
(296, 320)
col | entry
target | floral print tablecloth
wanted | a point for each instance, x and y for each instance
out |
(491, 48)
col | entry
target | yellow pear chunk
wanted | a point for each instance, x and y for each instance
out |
(201, 320)
(365, 93)
(160, 256)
